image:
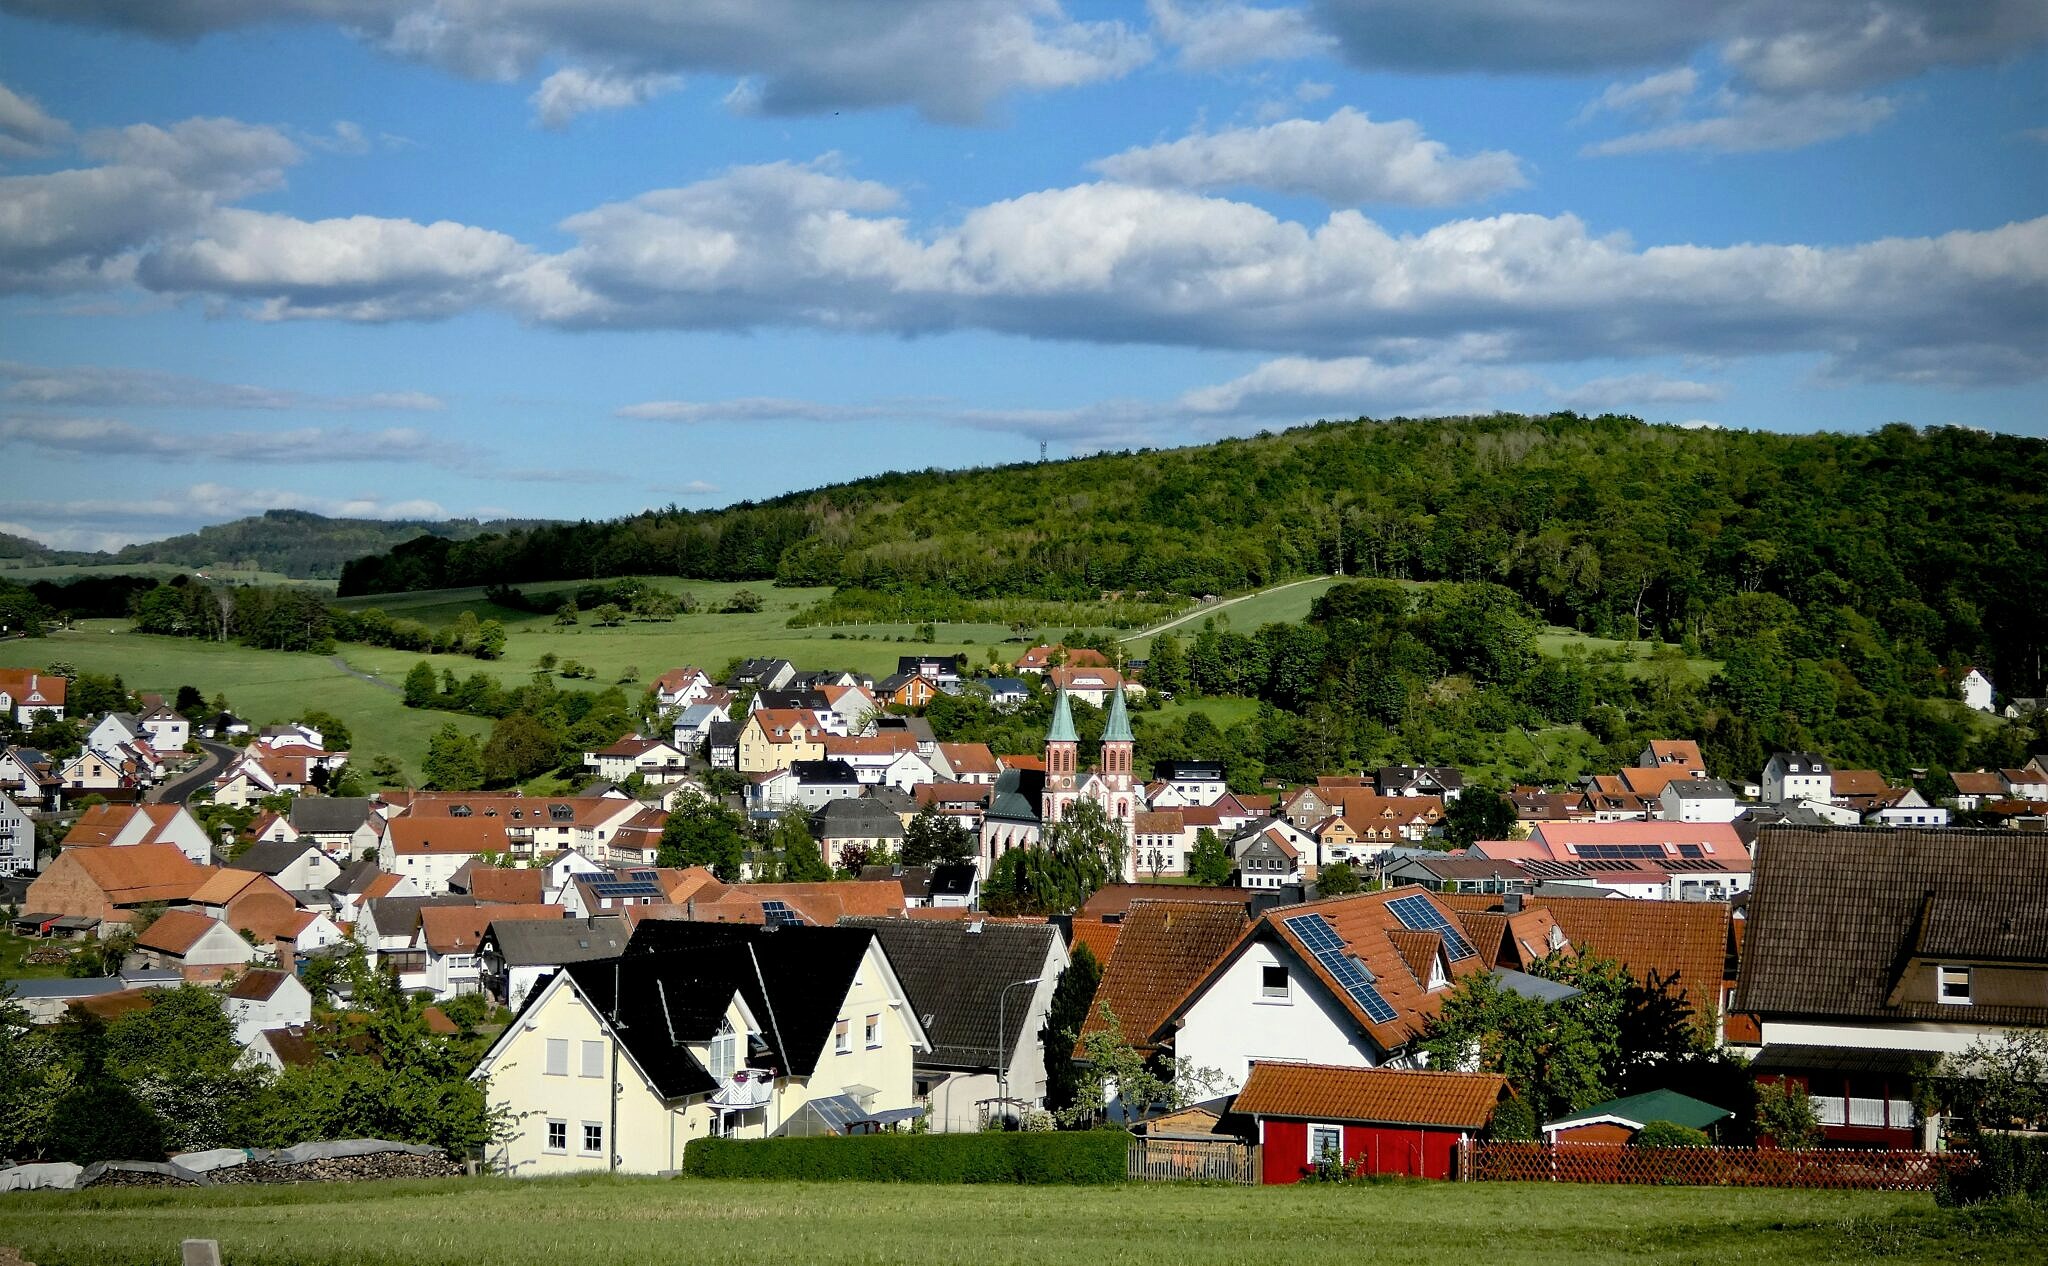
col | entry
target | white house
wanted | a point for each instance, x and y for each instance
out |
(297, 865)
(29, 695)
(17, 838)
(619, 1064)
(1976, 691)
(1798, 776)
(1699, 800)
(1910, 808)
(1349, 981)
(265, 999)
(166, 730)
(126, 825)
(451, 942)
(1269, 856)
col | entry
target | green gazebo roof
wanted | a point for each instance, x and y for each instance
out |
(1639, 1110)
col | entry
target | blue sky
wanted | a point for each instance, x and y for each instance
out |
(573, 258)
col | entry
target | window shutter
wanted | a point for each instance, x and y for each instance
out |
(558, 1057)
(593, 1059)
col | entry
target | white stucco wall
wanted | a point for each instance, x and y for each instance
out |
(1233, 1024)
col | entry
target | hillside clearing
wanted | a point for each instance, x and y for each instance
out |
(632, 1221)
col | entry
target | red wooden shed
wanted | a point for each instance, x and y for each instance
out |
(1376, 1120)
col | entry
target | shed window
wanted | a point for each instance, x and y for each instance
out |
(1325, 1143)
(1954, 985)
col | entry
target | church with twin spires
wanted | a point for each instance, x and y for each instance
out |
(1024, 803)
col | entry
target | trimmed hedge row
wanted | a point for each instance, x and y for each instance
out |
(1085, 1156)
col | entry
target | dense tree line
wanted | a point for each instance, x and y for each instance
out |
(1930, 538)
(290, 618)
(170, 1077)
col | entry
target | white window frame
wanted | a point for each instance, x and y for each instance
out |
(842, 1037)
(592, 1059)
(588, 1128)
(725, 1054)
(871, 1031)
(549, 1145)
(1315, 1154)
(557, 1067)
(1270, 995)
(1944, 976)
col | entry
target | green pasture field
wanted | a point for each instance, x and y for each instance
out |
(264, 687)
(627, 1222)
(706, 638)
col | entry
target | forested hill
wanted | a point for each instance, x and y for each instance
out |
(1928, 549)
(299, 544)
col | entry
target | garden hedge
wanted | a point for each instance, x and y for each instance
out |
(1085, 1156)
(2008, 1165)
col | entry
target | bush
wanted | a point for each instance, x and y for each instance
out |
(2007, 1165)
(1513, 1122)
(1031, 1159)
(1668, 1134)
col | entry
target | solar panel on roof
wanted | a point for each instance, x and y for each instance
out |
(1321, 940)
(779, 915)
(642, 876)
(1420, 914)
(624, 888)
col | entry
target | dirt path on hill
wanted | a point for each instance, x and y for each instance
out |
(1214, 607)
(378, 682)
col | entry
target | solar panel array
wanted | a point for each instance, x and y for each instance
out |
(1622, 852)
(1315, 932)
(779, 915)
(1420, 914)
(624, 888)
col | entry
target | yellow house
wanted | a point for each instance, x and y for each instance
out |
(700, 1030)
(776, 738)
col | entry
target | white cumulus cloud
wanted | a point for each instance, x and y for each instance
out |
(1347, 159)
(573, 90)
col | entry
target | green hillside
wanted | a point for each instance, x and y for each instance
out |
(1921, 549)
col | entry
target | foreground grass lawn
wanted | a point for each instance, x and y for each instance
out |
(629, 1221)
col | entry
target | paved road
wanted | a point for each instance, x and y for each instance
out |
(1214, 607)
(180, 789)
(378, 682)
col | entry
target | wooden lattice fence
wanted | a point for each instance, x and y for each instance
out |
(1185, 1160)
(1841, 1169)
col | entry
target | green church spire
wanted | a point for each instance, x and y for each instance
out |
(1118, 730)
(1062, 730)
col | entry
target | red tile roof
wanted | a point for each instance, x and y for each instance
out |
(1382, 1096)
(459, 929)
(1162, 949)
(258, 985)
(145, 872)
(1099, 937)
(176, 931)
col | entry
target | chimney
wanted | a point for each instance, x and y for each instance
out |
(1511, 903)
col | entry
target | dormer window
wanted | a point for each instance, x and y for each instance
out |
(1952, 985)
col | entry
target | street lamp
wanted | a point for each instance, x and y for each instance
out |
(1002, 1029)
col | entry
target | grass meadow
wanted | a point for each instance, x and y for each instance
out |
(264, 686)
(628, 1222)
